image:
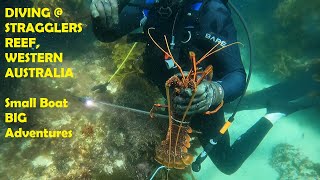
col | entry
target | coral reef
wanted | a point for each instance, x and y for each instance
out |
(107, 143)
(136, 92)
(281, 33)
(286, 64)
(73, 10)
(298, 26)
(87, 130)
(289, 12)
(292, 164)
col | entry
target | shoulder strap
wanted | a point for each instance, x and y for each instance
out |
(146, 11)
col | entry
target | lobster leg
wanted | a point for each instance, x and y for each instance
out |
(155, 107)
(170, 120)
(216, 110)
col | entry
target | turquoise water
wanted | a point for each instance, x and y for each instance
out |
(113, 142)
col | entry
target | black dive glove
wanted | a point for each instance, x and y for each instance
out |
(209, 93)
(105, 13)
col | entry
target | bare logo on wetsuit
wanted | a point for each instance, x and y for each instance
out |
(215, 39)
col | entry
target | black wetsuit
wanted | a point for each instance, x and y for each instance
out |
(302, 84)
(208, 25)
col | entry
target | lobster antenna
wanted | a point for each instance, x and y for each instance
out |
(194, 63)
(157, 43)
(204, 56)
(183, 118)
(206, 72)
(218, 51)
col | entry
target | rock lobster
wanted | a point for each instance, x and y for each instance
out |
(173, 151)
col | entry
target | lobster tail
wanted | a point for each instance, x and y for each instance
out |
(177, 155)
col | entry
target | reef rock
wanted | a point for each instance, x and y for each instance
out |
(290, 163)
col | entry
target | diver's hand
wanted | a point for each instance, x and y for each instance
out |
(208, 93)
(105, 12)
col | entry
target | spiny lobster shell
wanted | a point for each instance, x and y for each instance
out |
(173, 151)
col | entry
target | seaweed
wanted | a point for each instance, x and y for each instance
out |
(290, 163)
(87, 130)
(73, 10)
(136, 92)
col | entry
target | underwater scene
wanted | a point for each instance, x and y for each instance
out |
(150, 89)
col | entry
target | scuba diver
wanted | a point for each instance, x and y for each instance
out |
(190, 25)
